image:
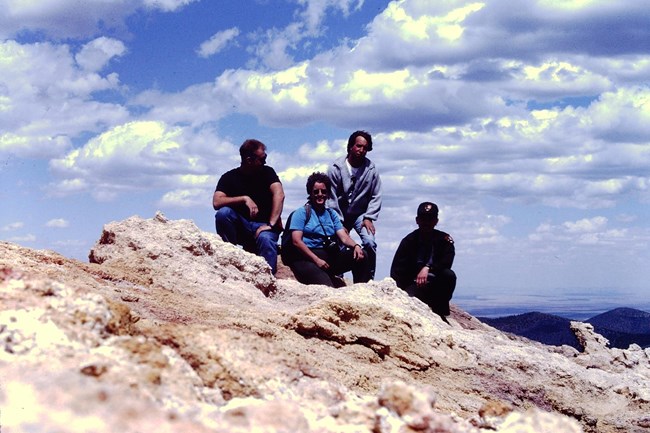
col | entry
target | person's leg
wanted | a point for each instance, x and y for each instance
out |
(442, 286)
(361, 272)
(267, 247)
(417, 292)
(345, 262)
(237, 230)
(369, 246)
(307, 272)
(228, 224)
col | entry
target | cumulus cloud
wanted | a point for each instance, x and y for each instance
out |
(217, 42)
(314, 11)
(66, 19)
(12, 226)
(167, 5)
(46, 100)
(587, 231)
(275, 48)
(372, 85)
(586, 225)
(476, 106)
(184, 198)
(25, 146)
(95, 54)
(57, 223)
(23, 239)
(442, 112)
(138, 155)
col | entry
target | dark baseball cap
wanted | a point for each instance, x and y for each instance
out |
(428, 210)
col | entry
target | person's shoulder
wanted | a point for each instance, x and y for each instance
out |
(299, 214)
(442, 236)
(302, 211)
(370, 165)
(338, 162)
(411, 236)
(231, 172)
(270, 174)
(333, 214)
(228, 178)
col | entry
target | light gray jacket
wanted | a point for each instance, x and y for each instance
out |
(366, 197)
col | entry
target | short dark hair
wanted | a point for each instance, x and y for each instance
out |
(249, 147)
(363, 134)
(318, 176)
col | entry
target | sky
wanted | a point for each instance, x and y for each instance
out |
(529, 126)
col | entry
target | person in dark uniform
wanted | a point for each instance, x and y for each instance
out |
(249, 200)
(422, 263)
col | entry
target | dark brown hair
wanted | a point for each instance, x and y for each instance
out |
(315, 177)
(363, 134)
(249, 147)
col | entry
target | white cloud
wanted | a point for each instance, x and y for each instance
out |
(57, 223)
(448, 129)
(33, 147)
(186, 198)
(12, 226)
(95, 54)
(448, 90)
(217, 42)
(586, 225)
(315, 11)
(45, 100)
(275, 48)
(23, 239)
(197, 105)
(67, 19)
(167, 5)
(587, 231)
(142, 155)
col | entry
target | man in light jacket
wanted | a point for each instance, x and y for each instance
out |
(356, 192)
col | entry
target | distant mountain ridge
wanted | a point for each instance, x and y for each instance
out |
(621, 326)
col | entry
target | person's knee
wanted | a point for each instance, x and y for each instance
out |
(448, 276)
(367, 239)
(446, 282)
(308, 273)
(267, 239)
(224, 215)
(368, 242)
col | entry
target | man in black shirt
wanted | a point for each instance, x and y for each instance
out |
(423, 260)
(248, 200)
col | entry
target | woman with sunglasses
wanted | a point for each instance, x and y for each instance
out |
(322, 248)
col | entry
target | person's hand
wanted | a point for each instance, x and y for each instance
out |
(369, 225)
(322, 264)
(261, 229)
(358, 252)
(251, 205)
(422, 276)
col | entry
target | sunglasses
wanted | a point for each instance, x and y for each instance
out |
(319, 191)
(261, 159)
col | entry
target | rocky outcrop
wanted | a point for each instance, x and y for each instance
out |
(170, 329)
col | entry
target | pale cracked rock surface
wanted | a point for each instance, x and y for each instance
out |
(171, 329)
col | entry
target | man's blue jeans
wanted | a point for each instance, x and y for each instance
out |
(234, 228)
(367, 242)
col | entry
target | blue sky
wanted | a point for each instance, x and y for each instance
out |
(529, 126)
